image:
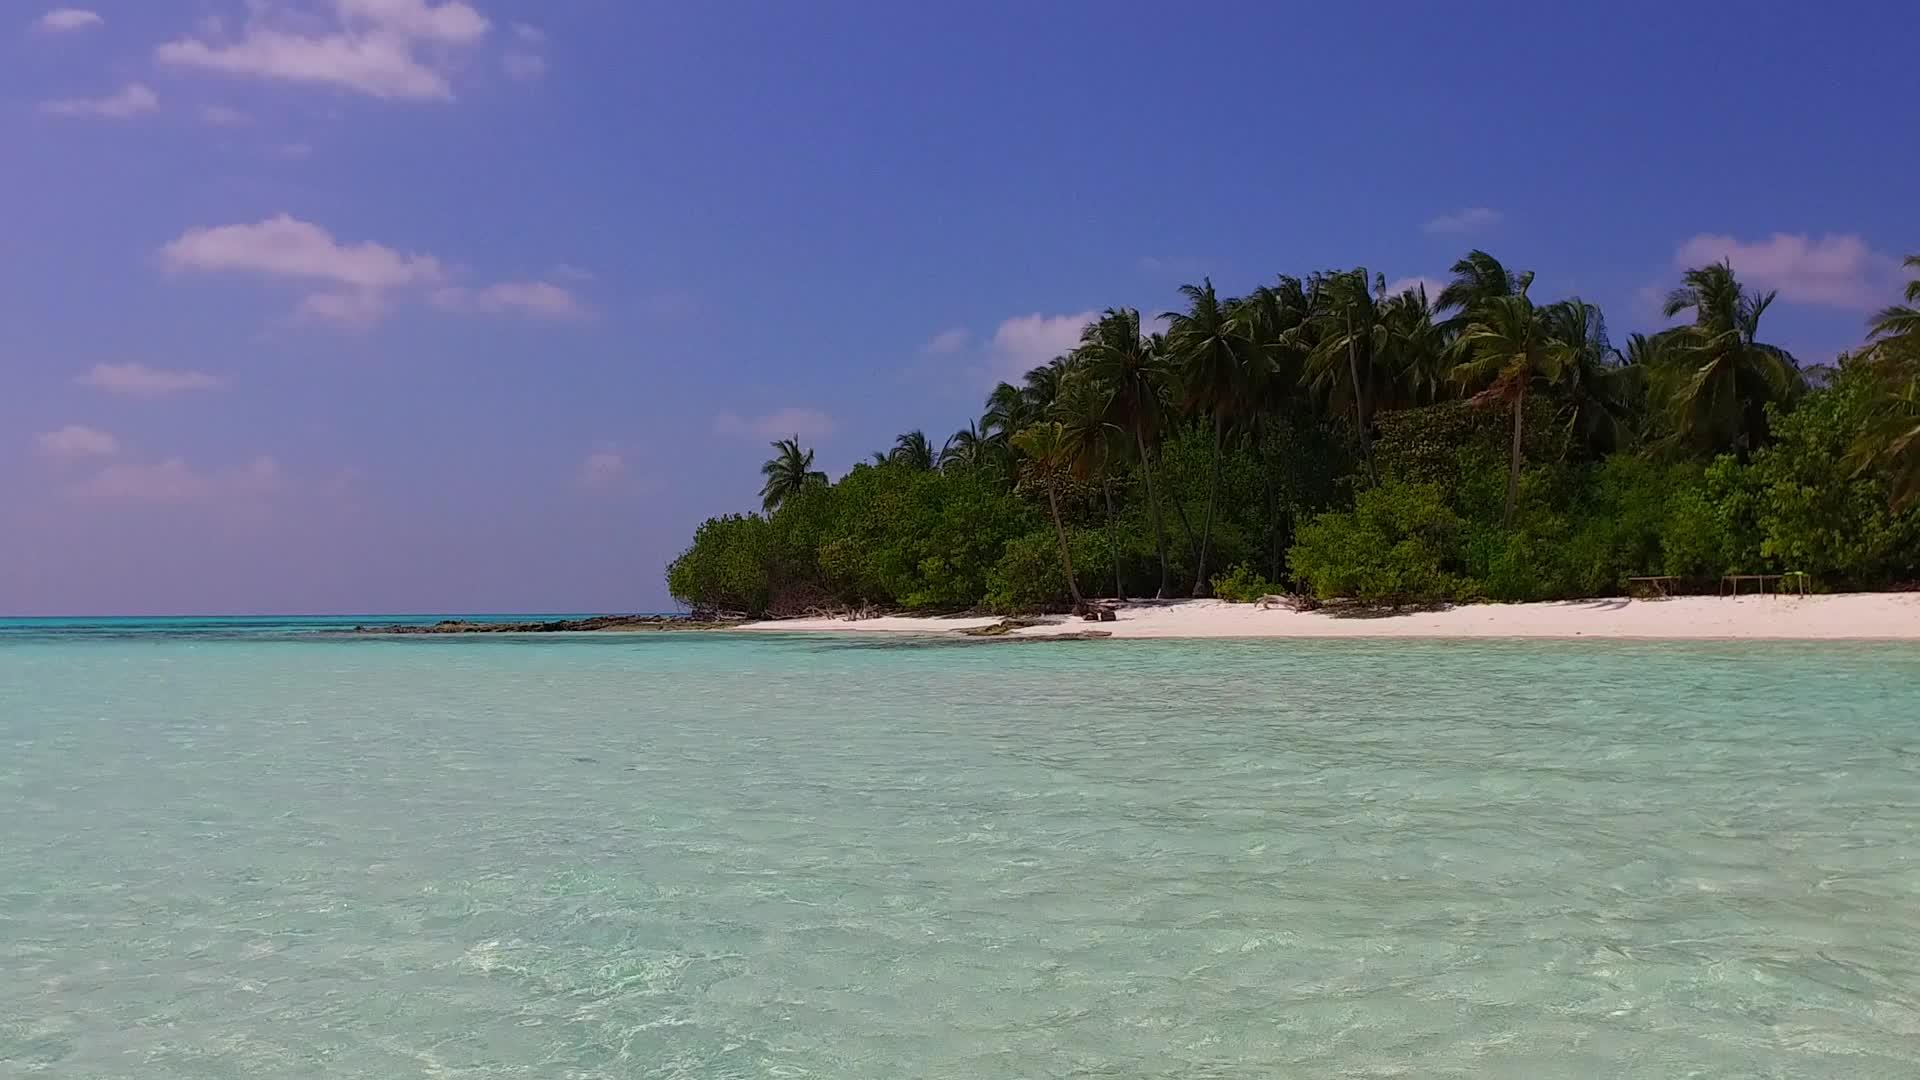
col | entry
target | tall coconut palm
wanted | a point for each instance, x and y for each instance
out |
(1508, 348)
(1597, 393)
(789, 472)
(1414, 349)
(1041, 385)
(1717, 377)
(1009, 410)
(1342, 369)
(1477, 278)
(1897, 328)
(1097, 446)
(1273, 319)
(913, 451)
(966, 448)
(1115, 354)
(1049, 459)
(1207, 347)
(1891, 438)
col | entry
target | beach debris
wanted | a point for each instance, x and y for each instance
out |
(1005, 626)
(558, 626)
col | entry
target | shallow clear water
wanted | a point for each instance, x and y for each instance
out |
(728, 856)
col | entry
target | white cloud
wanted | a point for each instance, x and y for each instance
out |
(785, 423)
(947, 342)
(130, 100)
(570, 272)
(355, 309)
(222, 116)
(538, 299)
(603, 470)
(173, 480)
(69, 20)
(1432, 285)
(77, 441)
(451, 22)
(392, 49)
(138, 380)
(298, 151)
(524, 66)
(1027, 341)
(1462, 221)
(532, 35)
(358, 283)
(284, 246)
(1834, 270)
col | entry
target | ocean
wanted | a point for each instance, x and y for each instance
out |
(261, 848)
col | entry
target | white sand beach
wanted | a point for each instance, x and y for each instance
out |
(1847, 615)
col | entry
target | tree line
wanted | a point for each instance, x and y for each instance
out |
(1322, 434)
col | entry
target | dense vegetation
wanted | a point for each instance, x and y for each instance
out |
(1320, 435)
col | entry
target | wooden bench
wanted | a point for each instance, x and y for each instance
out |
(1794, 581)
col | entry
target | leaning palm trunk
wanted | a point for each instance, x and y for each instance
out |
(1113, 539)
(1513, 465)
(1066, 557)
(1360, 411)
(1213, 499)
(1159, 523)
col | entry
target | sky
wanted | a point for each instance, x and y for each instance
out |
(345, 306)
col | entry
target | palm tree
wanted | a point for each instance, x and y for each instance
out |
(1048, 458)
(1206, 346)
(1273, 320)
(1897, 328)
(1597, 391)
(1477, 278)
(789, 472)
(1717, 377)
(912, 450)
(1345, 330)
(1009, 410)
(1096, 444)
(1114, 354)
(966, 448)
(1508, 348)
(1041, 385)
(1414, 349)
(1891, 438)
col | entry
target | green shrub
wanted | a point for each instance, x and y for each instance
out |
(1400, 543)
(728, 568)
(1243, 585)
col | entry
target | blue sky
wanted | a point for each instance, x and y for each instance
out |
(428, 305)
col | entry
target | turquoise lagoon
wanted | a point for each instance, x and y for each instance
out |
(268, 850)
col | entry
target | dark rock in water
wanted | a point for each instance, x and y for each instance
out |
(1004, 627)
(560, 626)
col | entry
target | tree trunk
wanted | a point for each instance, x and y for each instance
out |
(1159, 523)
(1273, 515)
(1360, 410)
(1066, 557)
(1200, 584)
(1186, 528)
(1113, 540)
(1513, 467)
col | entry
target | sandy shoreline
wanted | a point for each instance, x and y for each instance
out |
(1879, 616)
